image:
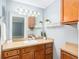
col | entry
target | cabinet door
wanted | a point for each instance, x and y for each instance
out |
(39, 54)
(65, 55)
(74, 57)
(49, 56)
(78, 10)
(14, 57)
(29, 55)
(70, 10)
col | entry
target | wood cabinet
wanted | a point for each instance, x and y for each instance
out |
(49, 51)
(29, 55)
(13, 57)
(40, 54)
(42, 51)
(11, 54)
(78, 10)
(69, 11)
(65, 55)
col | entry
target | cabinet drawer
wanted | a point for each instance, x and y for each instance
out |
(49, 50)
(14, 57)
(49, 45)
(27, 49)
(11, 53)
(39, 47)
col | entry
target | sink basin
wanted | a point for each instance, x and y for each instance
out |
(31, 41)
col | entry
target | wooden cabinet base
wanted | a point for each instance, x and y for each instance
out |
(40, 54)
(13, 57)
(43, 51)
(49, 56)
(65, 55)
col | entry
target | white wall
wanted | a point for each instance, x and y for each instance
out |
(52, 12)
(78, 32)
(60, 34)
(0, 7)
(78, 38)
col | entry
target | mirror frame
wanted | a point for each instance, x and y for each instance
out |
(11, 26)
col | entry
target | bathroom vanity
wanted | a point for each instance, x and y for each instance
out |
(43, 49)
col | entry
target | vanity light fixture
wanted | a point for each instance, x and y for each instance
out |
(28, 12)
(24, 12)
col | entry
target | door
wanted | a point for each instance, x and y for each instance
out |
(39, 54)
(70, 10)
(29, 55)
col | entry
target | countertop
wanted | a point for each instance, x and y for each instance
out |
(20, 44)
(70, 48)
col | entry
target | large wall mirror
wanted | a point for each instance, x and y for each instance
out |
(17, 15)
(18, 27)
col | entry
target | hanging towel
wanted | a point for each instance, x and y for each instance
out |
(3, 32)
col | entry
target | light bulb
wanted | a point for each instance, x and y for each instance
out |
(34, 13)
(30, 12)
(26, 10)
(38, 14)
(21, 10)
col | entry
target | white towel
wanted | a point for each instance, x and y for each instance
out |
(3, 32)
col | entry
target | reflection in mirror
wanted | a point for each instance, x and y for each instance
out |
(31, 27)
(17, 27)
(31, 22)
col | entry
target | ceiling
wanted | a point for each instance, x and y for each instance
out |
(37, 3)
